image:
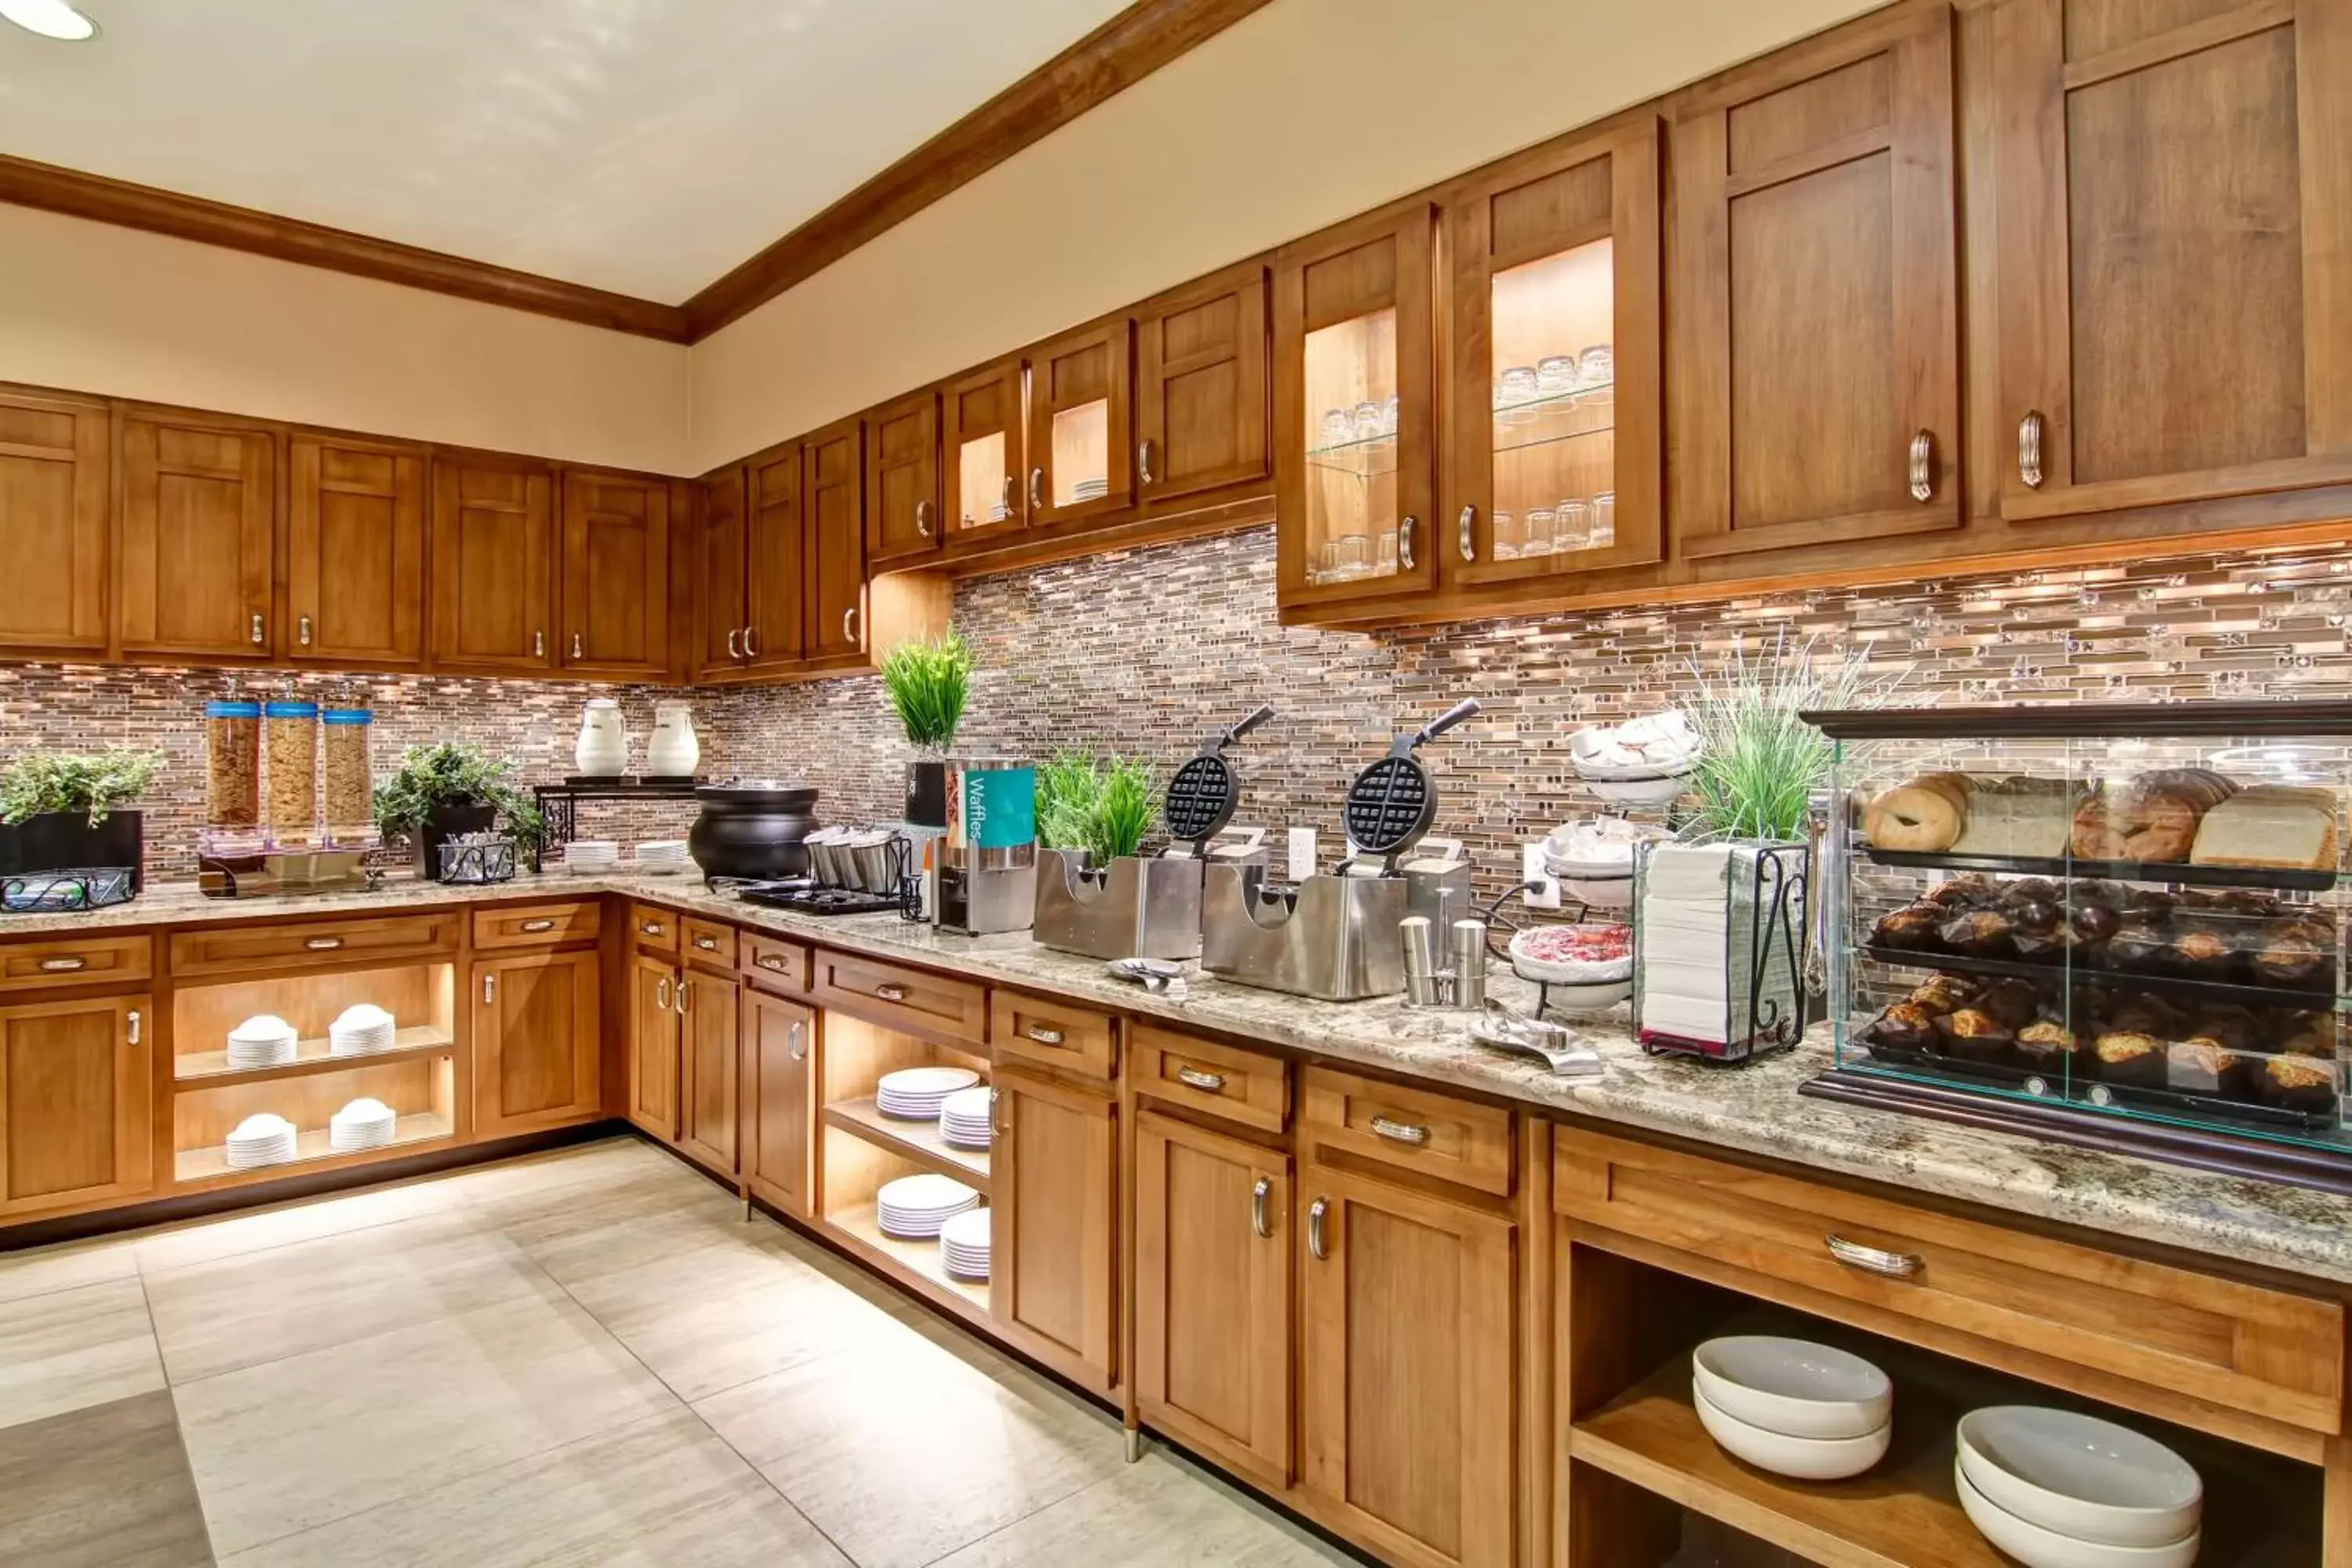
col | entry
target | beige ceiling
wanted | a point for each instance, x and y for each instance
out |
(639, 145)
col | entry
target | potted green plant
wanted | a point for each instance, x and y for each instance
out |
(63, 811)
(928, 680)
(441, 791)
(1763, 764)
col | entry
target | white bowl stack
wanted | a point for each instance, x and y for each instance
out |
(917, 1094)
(362, 1124)
(964, 1244)
(662, 857)
(263, 1140)
(1795, 1408)
(361, 1031)
(2055, 1489)
(1644, 761)
(913, 1208)
(264, 1040)
(964, 1121)
(584, 857)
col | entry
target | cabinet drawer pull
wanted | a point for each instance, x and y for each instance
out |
(302, 630)
(891, 992)
(661, 994)
(1258, 1195)
(1206, 1082)
(539, 925)
(750, 642)
(1923, 465)
(63, 965)
(257, 628)
(1036, 490)
(132, 1018)
(1143, 461)
(796, 1041)
(772, 961)
(1401, 1131)
(1469, 539)
(650, 928)
(1875, 1259)
(707, 943)
(1043, 1035)
(1404, 541)
(324, 944)
(734, 643)
(923, 519)
(1315, 1212)
(489, 990)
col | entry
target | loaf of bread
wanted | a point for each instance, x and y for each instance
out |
(2277, 826)
(2154, 816)
(2017, 817)
(1925, 814)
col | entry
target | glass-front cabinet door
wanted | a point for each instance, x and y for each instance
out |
(1555, 408)
(981, 420)
(1081, 442)
(1355, 414)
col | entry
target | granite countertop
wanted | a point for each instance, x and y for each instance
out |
(1755, 1108)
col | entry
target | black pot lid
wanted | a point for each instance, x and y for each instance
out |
(773, 794)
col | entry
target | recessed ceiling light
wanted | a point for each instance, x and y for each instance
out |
(50, 19)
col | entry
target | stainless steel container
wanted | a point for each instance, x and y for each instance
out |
(988, 861)
(1133, 908)
(1334, 939)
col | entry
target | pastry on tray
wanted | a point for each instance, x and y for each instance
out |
(2300, 1083)
(2130, 1057)
(1925, 814)
(2152, 817)
(1976, 1036)
(2270, 827)
(2048, 1046)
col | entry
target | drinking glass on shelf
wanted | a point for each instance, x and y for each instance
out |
(1507, 536)
(1605, 519)
(1518, 385)
(1388, 416)
(1338, 429)
(1596, 365)
(1384, 553)
(1572, 527)
(1556, 374)
(1367, 422)
(1355, 555)
(1326, 561)
(1542, 532)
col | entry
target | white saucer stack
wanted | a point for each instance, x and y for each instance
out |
(917, 1094)
(362, 1124)
(264, 1040)
(913, 1208)
(964, 1244)
(662, 857)
(361, 1031)
(964, 1119)
(263, 1140)
(1089, 489)
(585, 856)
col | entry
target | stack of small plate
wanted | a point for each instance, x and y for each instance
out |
(1089, 489)
(362, 1124)
(917, 1094)
(999, 513)
(913, 1208)
(662, 857)
(963, 1245)
(264, 1040)
(964, 1119)
(361, 1031)
(263, 1140)
(2057, 1489)
(584, 856)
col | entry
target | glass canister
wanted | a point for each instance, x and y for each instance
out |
(232, 764)
(348, 803)
(290, 745)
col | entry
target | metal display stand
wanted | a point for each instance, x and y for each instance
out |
(558, 804)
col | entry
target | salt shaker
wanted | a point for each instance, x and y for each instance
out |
(1470, 964)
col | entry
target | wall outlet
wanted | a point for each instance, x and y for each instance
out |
(1302, 853)
(1531, 869)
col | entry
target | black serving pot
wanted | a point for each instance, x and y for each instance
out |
(753, 828)
(65, 841)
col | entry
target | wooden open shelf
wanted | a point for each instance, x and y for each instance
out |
(312, 1057)
(210, 1164)
(916, 1141)
(920, 1259)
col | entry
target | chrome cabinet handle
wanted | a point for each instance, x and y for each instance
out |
(257, 628)
(538, 645)
(1043, 1035)
(63, 965)
(750, 642)
(490, 989)
(996, 1124)
(1401, 1131)
(1143, 461)
(661, 994)
(1315, 1212)
(891, 992)
(650, 928)
(849, 624)
(1404, 541)
(1875, 1259)
(302, 630)
(575, 646)
(707, 943)
(923, 518)
(796, 1041)
(1036, 489)
(1206, 1082)
(324, 944)
(2029, 448)
(770, 960)
(133, 1019)
(1469, 539)
(733, 636)
(1008, 493)
(1258, 1195)
(539, 925)
(681, 995)
(1923, 465)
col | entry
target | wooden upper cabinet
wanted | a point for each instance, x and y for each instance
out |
(2175, 249)
(902, 480)
(1817, 331)
(615, 573)
(198, 533)
(494, 553)
(981, 450)
(721, 602)
(1355, 414)
(1081, 424)
(355, 551)
(77, 1098)
(776, 560)
(1201, 392)
(833, 501)
(53, 514)
(1556, 435)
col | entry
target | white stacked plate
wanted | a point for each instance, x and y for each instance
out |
(1090, 490)
(963, 1245)
(913, 1208)
(999, 513)
(662, 857)
(361, 1031)
(917, 1094)
(362, 1124)
(582, 855)
(263, 1140)
(264, 1040)
(964, 1119)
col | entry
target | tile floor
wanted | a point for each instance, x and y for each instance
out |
(582, 1358)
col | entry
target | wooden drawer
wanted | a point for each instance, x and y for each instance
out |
(652, 930)
(1052, 1034)
(773, 962)
(1413, 1129)
(1962, 1282)
(706, 943)
(904, 998)
(321, 944)
(1248, 1087)
(92, 960)
(537, 925)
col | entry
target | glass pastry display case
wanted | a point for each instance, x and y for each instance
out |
(2118, 926)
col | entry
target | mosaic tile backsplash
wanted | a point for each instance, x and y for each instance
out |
(1151, 651)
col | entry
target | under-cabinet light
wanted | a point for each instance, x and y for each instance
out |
(50, 19)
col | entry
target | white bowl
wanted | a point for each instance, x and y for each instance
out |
(1585, 997)
(2079, 1476)
(1641, 791)
(1616, 893)
(2039, 1548)
(1806, 1458)
(1794, 1387)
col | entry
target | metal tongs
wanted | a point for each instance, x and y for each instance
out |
(1561, 1046)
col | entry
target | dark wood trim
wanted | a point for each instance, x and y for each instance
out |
(76, 195)
(2068, 721)
(1113, 58)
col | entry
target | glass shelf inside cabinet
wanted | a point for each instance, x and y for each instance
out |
(1543, 420)
(1370, 457)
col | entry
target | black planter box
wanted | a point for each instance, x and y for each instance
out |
(65, 841)
(449, 822)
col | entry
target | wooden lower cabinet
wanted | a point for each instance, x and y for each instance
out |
(708, 1109)
(538, 1037)
(777, 1114)
(1212, 1320)
(77, 1099)
(1408, 1385)
(654, 1035)
(1054, 1186)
